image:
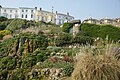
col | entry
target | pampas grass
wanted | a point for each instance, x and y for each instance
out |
(93, 63)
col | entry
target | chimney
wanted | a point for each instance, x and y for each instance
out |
(67, 13)
(56, 12)
(40, 9)
(0, 6)
(35, 8)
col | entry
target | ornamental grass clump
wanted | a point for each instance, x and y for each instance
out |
(104, 65)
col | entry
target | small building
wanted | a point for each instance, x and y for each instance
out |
(118, 20)
(108, 21)
(92, 21)
(76, 26)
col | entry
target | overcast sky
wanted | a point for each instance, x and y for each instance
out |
(80, 9)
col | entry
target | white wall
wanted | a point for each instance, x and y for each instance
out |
(27, 13)
(9, 12)
(62, 18)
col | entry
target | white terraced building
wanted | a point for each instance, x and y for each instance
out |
(21, 12)
(35, 14)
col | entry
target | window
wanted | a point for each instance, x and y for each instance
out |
(26, 10)
(10, 16)
(31, 10)
(10, 10)
(42, 18)
(31, 15)
(22, 16)
(38, 18)
(25, 16)
(16, 16)
(62, 21)
(5, 10)
(59, 21)
(22, 10)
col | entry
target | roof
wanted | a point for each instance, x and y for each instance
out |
(44, 11)
(25, 8)
(76, 21)
(91, 19)
(64, 14)
(8, 8)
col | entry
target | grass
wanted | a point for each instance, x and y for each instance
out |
(101, 66)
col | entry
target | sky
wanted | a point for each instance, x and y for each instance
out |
(80, 9)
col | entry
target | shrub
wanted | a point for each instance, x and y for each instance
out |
(102, 66)
(68, 69)
(102, 31)
(16, 24)
(82, 40)
(66, 27)
(5, 32)
(3, 74)
(41, 56)
(29, 61)
(1, 36)
(63, 39)
(17, 74)
(35, 41)
(58, 64)
(47, 64)
(2, 26)
(2, 18)
(41, 41)
(6, 46)
(7, 63)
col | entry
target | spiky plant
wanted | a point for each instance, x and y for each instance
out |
(93, 63)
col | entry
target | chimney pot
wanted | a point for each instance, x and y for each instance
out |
(67, 13)
(36, 8)
(56, 12)
(40, 9)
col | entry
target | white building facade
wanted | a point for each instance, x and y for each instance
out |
(35, 14)
(9, 12)
(26, 13)
(62, 18)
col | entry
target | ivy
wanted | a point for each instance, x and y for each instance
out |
(66, 27)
